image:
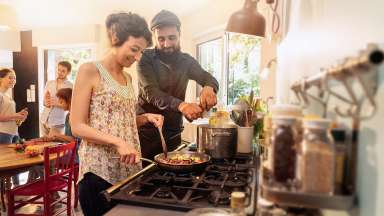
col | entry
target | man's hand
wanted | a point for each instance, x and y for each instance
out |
(191, 111)
(208, 98)
(47, 99)
(155, 119)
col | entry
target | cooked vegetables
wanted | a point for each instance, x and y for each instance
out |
(181, 160)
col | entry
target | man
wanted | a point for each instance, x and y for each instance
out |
(163, 74)
(53, 116)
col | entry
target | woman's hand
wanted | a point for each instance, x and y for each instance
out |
(128, 153)
(155, 119)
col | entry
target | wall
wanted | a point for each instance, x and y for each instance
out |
(10, 40)
(321, 33)
(25, 65)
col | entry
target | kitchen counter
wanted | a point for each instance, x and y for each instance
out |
(141, 211)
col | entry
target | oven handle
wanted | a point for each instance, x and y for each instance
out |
(115, 188)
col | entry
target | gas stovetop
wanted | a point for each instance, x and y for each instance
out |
(185, 191)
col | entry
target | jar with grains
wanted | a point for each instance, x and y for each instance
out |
(283, 139)
(317, 158)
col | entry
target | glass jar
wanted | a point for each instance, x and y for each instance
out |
(283, 139)
(317, 158)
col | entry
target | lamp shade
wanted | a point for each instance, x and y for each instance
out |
(247, 20)
(8, 18)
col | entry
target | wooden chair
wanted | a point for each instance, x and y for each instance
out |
(58, 174)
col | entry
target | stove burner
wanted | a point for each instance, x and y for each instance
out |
(219, 198)
(165, 174)
(226, 179)
(210, 187)
(163, 193)
(236, 181)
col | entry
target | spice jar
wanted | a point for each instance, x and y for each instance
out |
(317, 158)
(283, 139)
(339, 137)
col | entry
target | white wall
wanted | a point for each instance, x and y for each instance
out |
(10, 40)
(321, 33)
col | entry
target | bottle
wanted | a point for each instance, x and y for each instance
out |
(283, 141)
(238, 203)
(317, 164)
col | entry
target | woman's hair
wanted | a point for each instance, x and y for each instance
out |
(66, 64)
(5, 71)
(65, 94)
(122, 25)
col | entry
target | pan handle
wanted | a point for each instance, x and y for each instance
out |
(148, 160)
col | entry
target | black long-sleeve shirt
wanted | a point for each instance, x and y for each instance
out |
(162, 87)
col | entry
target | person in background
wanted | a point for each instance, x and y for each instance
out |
(164, 73)
(9, 118)
(64, 97)
(103, 113)
(53, 116)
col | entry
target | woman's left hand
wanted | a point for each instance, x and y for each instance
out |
(155, 119)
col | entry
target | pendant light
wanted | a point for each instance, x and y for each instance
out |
(247, 20)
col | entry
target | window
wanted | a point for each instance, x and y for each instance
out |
(76, 56)
(234, 60)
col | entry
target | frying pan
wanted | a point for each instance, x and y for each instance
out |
(204, 158)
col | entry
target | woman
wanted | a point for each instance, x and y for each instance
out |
(103, 113)
(9, 119)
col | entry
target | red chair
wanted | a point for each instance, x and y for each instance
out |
(75, 178)
(58, 173)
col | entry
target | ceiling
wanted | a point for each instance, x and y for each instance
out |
(42, 13)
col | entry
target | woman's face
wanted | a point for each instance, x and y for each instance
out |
(130, 51)
(8, 81)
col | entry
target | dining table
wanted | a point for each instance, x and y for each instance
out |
(13, 162)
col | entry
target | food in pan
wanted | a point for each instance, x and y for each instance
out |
(181, 160)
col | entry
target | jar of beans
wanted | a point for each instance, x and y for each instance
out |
(283, 139)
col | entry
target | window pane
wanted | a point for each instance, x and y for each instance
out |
(75, 56)
(243, 65)
(210, 57)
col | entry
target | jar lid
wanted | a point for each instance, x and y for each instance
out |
(286, 110)
(237, 199)
(283, 120)
(317, 123)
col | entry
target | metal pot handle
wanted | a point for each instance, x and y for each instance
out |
(148, 160)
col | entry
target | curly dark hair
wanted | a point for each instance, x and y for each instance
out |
(124, 25)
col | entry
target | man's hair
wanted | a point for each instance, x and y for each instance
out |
(122, 25)
(66, 64)
(65, 94)
(165, 18)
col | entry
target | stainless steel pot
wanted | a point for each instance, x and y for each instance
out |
(218, 142)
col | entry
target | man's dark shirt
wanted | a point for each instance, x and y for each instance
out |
(162, 86)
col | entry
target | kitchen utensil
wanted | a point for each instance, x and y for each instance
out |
(204, 158)
(218, 142)
(158, 160)
(163, 144)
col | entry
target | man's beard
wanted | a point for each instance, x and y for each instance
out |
(169, 57)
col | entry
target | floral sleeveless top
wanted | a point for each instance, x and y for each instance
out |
(112, 111)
